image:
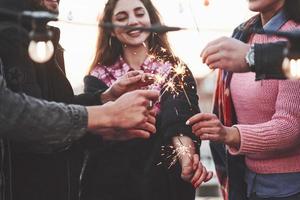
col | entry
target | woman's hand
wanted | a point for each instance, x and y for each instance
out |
(130, 81)
(226, 53)
(191, 168)
(208, 127)
(193, 171)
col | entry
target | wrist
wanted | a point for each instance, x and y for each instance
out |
(233, 137)
(250, 58)
(107, 96)
(99, 117)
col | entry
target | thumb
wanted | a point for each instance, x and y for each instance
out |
(133, 79)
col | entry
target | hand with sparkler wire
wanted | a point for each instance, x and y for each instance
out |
(207, 126)
(226, 53)
(192, 169)
(130, 81)
(143, 130)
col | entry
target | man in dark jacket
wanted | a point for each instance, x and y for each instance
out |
(49, 125)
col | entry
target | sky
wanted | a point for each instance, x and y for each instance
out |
(203, 23)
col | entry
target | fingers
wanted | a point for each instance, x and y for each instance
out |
(152, 112)
(209, 136)
(218, 64)
(131, 80)
(149, 127)
(202, 124)
(149, 94)
(187, 171)
(196, 160)
(138, 133)
(200, 117)
(151, 119)
(202, 177)
(147, 77)
(211, 54)
(134, 73)
(209, 176)
(197, 174)
(212, 43)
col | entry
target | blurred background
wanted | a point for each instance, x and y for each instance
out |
(205, 19)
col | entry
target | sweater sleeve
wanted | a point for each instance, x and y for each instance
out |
(282, 132)
(177, 108)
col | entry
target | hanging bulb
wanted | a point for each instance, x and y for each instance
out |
(206, 2)
(41, 48)
(41, 51)
(291, 68)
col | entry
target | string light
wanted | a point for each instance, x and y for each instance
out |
(206, 2)
(291, 68)
(40, 48)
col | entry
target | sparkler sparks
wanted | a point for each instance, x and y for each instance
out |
(174, 153)
(174, 83)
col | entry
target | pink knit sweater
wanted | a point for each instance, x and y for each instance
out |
(268, 114)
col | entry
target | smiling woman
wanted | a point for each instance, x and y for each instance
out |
(217, 19)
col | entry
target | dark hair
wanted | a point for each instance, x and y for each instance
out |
(292, 8)
(21, 5)
(107, 54)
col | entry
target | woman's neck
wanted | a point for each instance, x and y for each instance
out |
(270, 12)
(135, 56)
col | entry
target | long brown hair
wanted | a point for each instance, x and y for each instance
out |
(108, 48)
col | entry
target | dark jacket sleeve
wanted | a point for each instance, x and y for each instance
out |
(48, 125)
(269, 65)
(94, 87)
(177, 108)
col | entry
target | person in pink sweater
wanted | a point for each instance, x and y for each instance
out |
(257, 119)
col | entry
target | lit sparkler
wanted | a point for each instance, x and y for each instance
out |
(173, 153)
(172, 82)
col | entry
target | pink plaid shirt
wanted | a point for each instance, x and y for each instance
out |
(109, 74)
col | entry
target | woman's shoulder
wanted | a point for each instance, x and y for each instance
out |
(98, 70)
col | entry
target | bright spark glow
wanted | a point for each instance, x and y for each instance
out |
(180, 69)
(172, 154)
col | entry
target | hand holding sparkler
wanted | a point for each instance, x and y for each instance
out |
(192, 169)
(226, 53)
(132, 80)
(199, 173)
(207, 126)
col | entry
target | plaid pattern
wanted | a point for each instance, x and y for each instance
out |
(109, 74)
(230, 169)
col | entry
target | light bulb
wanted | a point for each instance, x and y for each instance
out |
(41, 51)
(291, 68)
(206, 2)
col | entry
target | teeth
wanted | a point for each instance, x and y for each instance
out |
(133, 32)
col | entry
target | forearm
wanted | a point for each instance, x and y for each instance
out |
(27, 119)
(184, 141)
(282, 131)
